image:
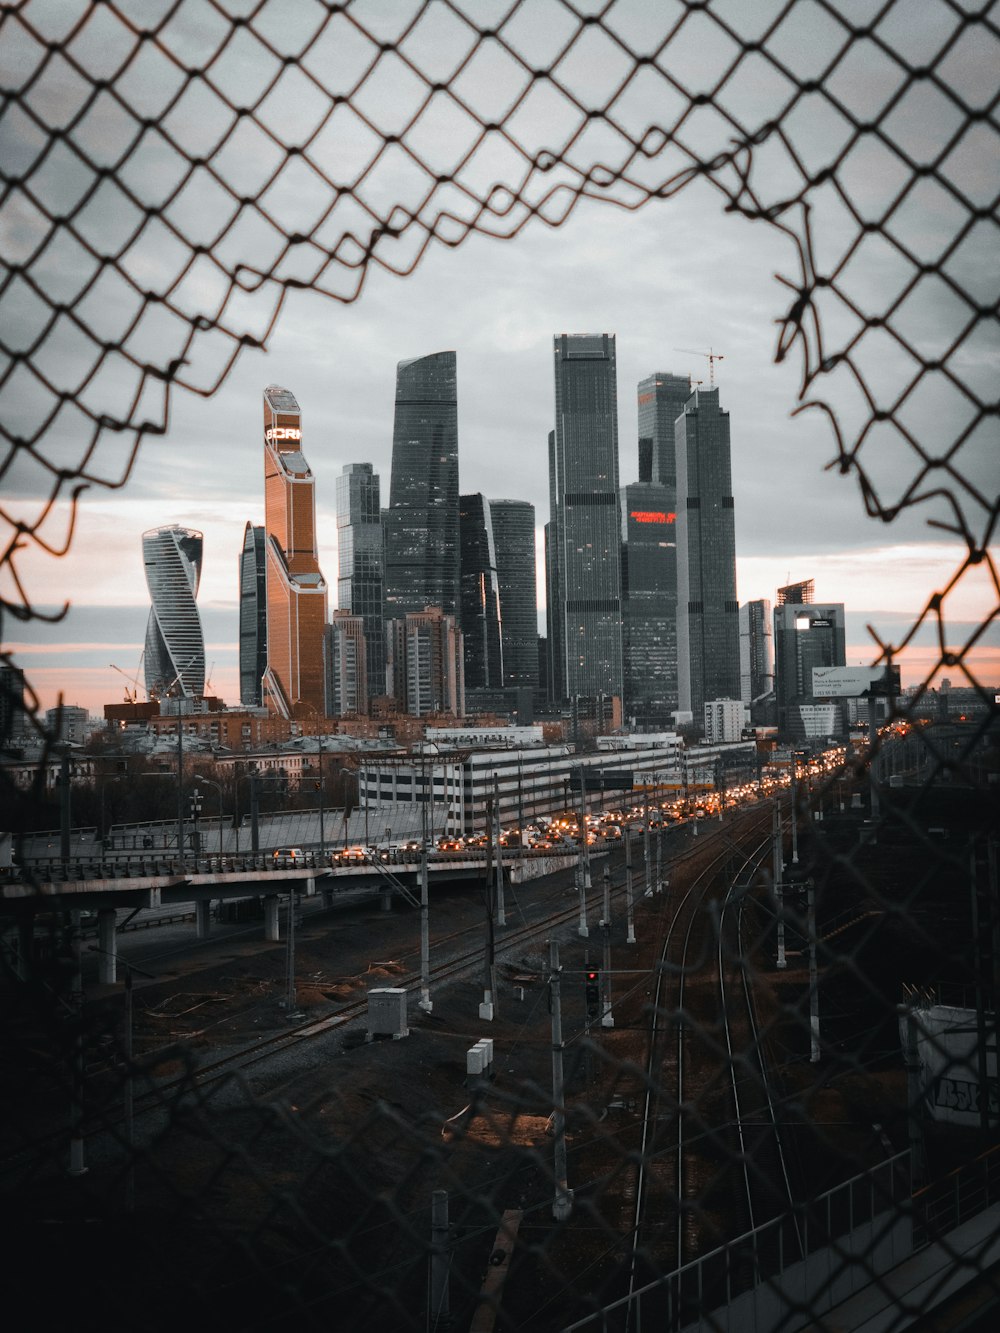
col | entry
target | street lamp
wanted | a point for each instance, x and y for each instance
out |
(209, 783)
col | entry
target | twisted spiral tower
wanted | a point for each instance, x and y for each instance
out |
(175, 645)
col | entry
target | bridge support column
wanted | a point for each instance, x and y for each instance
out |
(107, 944)
(311, 887)
(203, 918)
(386, 896)
(271, 930)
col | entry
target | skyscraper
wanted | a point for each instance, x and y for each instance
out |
(806, 635)
(649, 558)
(649, 602)
(294, 684)
(584, 545)
(756, 651)
(253, 614)
(359, 551)
(421, 523)
(480, 595)
(514, 536)
(708, 647)
(175, 647)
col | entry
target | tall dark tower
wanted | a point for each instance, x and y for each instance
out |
(806, 635)
(480, 595)
(708, 639)
(359, 558)
(661, 401)
(253, 614)
(584, 546)
(421, 523)
(514, 536)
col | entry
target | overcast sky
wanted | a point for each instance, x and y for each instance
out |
(679, 273)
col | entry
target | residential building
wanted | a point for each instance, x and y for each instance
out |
(583, 559)
(174, 654)
(253, 614)
(421, 524)
(708, 649)
(360, 562)
(294, 681)
(425, 668)
(724, 720)
(346, 665)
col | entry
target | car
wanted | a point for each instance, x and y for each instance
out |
(287, 856)
(350, 855)
(449, 845)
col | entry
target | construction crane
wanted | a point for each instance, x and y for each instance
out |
(132, 695)
(712, 358)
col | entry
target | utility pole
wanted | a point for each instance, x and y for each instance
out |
(562, 1204)
(814, 1051)
(180, 782)
(583, 862)
(486, 1009)
(646, 854)
(629, 913)
(425, 1003)
(76, 1162)
(495, 830)
(607, 1017)
(291, 999)
(319, 760)
(254, 815)
(440, 1308)
(777, 857)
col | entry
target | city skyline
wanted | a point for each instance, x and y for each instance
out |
(827, 535)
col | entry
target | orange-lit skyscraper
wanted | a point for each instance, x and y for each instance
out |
(296, 589)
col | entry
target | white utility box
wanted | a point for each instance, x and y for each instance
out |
(387, 1013)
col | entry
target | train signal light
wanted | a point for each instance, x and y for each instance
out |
(592, 991)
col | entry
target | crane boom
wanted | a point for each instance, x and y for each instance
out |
(710, 355)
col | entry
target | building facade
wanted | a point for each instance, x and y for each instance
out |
(480, 595)
(724, 721)
(661, 398)
(807, 634)
(360, 589)
(756, 651)
(583, 561)
(253, 614)
(649, 604)
(294, 682)
(346, 665)
(514, 538)
(708, 647)
(174, 654)
(421, 524)
(425, 666)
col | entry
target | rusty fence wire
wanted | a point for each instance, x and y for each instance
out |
(170, 170)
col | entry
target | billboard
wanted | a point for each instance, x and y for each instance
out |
(844, 682)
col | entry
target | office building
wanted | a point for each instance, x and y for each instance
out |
(360, 562)
(253, 615)
(756, 651)
(661, 400)
(346, 665)
(649, 603)
(583, 554)
(708, 645)
(421, 524)
(807, 634)
(294, 681)
(514, 539)
(480, 595)
(174, 654)
(425, 667)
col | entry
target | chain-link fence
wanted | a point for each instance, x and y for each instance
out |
(171, 169)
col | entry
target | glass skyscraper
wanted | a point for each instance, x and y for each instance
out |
(174, 661)
(584, 546)
(661, 399)
(708, 642)
(480, 595)
(421, 524)
(294, 682)
(514, 536)
(806, 635)
(649, 587)
(359, 552)
(756, 651)
(253, 615)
